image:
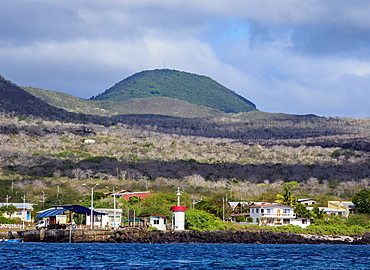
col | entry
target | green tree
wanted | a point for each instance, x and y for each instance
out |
(215, 207)
(302, 211)
(358, 219)
(161, 203)
(287, 197)
(9, 209)
(201, 221)
(362, 201)
(316, 213)
(134, 199)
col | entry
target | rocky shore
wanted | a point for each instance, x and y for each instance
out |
(243, 237)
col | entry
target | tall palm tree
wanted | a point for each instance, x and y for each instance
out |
(287, 197)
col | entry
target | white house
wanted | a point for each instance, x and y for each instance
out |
(306, 201)
(276, 215)
(332, 211)
(157, 221)
(24, 211)
(108, 219)
(343, 205)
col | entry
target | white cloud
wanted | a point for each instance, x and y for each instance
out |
(288, 56)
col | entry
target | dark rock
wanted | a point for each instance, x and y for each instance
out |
(243, 237)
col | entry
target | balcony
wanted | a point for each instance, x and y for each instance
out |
(278, 215)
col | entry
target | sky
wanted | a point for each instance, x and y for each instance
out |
(289, 56)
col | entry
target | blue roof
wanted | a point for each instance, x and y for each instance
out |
(79, 209)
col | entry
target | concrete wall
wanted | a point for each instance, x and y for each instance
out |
(73, 236)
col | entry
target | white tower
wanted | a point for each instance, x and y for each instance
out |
(178, 215)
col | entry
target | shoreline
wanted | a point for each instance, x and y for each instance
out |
(233, 237)
(140, 235)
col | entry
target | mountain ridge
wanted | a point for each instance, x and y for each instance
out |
(193, 88)
(153, 105)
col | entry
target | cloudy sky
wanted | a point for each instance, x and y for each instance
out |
(290, 56)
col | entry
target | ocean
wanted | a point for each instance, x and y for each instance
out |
(182, 256)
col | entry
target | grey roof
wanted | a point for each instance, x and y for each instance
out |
(347, 204)
(28, 206)
(327, 209)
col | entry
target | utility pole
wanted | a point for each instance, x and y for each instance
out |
(7, 199)
(92, 205)
(58, 194)
(114, 205)
(24, 210)
(43, 199)
(223, 208)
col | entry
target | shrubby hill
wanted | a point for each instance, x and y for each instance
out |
(250, 154)
(196, 89)
(154, 105)
(15, 100)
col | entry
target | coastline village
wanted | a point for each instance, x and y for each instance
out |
(78, 217)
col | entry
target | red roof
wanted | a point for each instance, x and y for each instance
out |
(178, 208)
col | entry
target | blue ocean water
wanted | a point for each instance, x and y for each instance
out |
(181, 256)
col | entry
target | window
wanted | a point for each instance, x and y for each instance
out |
(286, 221)
(252, 210)
(156, 221)
(286, 211)
(270, 211)
(256, 210)
(304, 221)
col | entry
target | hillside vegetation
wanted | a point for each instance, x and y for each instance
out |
(154, 105)
(195, 89)
(249, 155)
(39, 155)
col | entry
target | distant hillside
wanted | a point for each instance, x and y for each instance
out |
(196, 89)
(71, 103)
(15, 100)
(154, 105)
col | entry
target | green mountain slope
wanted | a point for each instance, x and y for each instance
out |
(196, 89)
(154, 105)
(71, 103)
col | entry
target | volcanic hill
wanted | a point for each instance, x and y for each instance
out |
(195, 89)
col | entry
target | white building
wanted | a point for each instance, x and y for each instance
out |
(157, 221)
(306, 201)
(277, 215)
(23, 212)
(178, 214)
(108, 219)
(343, 205)
(332, 211)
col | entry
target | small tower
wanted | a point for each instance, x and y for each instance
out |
(178, 215)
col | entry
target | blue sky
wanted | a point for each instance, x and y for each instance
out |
(288, 56)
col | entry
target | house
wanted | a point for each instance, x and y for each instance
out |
(112, 219)
(276, 215)
(23, 212)
(332, 211)
(157, 221)
(306, 201)
(127, 194)
(68, 211)
(343, 205)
